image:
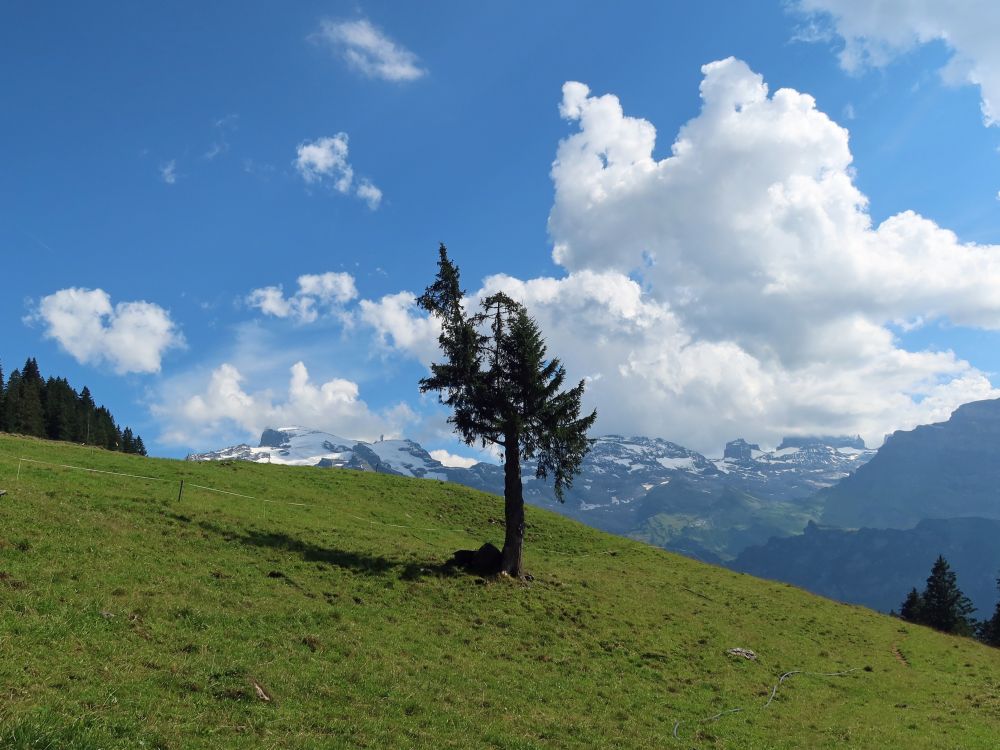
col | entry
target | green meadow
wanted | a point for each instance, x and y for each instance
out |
(311, 609)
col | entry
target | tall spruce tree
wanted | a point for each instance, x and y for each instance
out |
(60, 409)
(29, 418)
(945, 607)
(912, 608)
(3, 393)
(84, 416)
(502, 391)
(11, 401)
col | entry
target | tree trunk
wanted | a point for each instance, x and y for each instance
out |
(513, 501)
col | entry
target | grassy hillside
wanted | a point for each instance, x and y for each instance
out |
(129, 619)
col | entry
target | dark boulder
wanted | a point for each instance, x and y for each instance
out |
(484, 561)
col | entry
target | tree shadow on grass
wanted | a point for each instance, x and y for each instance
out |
(358, 562)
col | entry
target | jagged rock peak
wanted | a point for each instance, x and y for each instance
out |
(740, 450)
(272, 439)
(826, 441)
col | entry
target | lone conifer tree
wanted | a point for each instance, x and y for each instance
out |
(912, 609)
(945, 607)
(503, 391)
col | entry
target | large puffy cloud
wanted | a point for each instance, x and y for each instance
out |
(223, 404)
(875, 32)
(753, 229)
(754, 236)
(738, 286)
(316, 293)
(398, 326)
(130, 336)
(646, 374)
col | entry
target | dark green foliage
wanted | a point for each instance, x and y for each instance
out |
(912, 607)
(945, 607)
(989, 630)
(11, 403)
(30, 416)
(503, 391)
(60, 409)
(942, 605)
(52, 409)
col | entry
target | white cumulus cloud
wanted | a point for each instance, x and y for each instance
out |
(317, 293)
(450, 459)
(224, 404)
(325, 161)
(368, 50)
(876, 32)
(754, 237)
(398, 324)
(737, 286)
(129, 336)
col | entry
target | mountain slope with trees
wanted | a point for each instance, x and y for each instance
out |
(876, 567)
(31, 405)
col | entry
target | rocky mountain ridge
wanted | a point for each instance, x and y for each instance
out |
(949, 469)
(648, 488)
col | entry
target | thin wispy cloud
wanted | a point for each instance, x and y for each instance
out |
(168, 172)
(370, 51)
(874, 34)
(223, 127)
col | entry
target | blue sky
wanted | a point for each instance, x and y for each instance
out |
(165, 162)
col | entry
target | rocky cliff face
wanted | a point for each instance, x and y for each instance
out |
(945, 470)
(741, 451)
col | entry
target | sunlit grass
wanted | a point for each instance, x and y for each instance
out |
(129, 619)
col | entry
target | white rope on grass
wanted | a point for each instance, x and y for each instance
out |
(154, 479)
(774, 692)
(786, 675)
(95, 471)
(288, 502)
(227, 492)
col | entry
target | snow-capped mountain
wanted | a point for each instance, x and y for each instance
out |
(668, 495)
(299, 446)
(645, 487)
(797, 468)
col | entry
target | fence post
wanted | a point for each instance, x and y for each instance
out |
(180, 491)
